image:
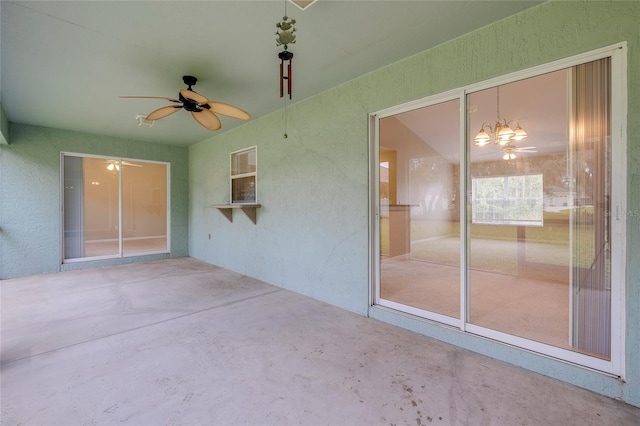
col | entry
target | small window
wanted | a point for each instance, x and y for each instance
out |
(243, 176)
(508, 200)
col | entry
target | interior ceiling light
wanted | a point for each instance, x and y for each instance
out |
(502, 129)
(143, 122)
(115, 164)
(508, 154)
(509, 151)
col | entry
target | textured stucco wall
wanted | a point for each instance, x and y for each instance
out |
(311, 234)
(312, 231)
(30, 195)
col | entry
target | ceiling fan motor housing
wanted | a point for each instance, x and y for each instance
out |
(189, 80)
(189, 104)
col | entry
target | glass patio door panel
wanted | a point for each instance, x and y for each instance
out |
(91, 206)
(419, 205)
(144, 207)
(538, 235)
(73, 207)
(521, 205)
(101, 207)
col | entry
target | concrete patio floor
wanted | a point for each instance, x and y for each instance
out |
(181, 342)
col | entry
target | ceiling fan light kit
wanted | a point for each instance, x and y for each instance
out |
(202, 109)
(509, 154)
(143, 122)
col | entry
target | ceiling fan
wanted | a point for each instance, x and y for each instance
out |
(509, 151)
(115, 164)
(202, 109)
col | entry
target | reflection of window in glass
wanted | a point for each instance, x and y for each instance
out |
(507, 200)
(243, 176)
(113, 207)
(384, 180)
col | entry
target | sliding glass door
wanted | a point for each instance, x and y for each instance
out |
(420, 211)
(113, 207)
(495, 212)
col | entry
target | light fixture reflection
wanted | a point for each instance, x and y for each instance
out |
(502, 129)
(503, 132)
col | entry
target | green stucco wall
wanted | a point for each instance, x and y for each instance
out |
(312, 230)
(30, 195)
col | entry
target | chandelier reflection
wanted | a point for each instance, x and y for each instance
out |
(501, 132)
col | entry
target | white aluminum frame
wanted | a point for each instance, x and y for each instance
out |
(243, 175)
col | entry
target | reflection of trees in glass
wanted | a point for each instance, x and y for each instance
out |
(563, 186)
(508, 199)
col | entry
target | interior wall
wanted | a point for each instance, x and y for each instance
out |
(30, 195)
(396, 136)
(312, 230)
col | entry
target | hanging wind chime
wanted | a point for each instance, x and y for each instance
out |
(285, 35)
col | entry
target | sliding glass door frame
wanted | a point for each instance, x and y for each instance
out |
(615, 365)
(375, 298)
(121, 253)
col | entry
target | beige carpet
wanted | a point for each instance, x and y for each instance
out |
(525, 307)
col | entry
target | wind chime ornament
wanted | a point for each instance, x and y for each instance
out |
(285, 35)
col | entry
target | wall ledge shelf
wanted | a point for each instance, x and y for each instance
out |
(227, 210)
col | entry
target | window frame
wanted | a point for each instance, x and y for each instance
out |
(253, 174)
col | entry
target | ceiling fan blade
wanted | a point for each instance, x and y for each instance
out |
(190, 94)
(229, 110)
(126, 163)
(163, 112)
(207, 119)
(150, 97)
